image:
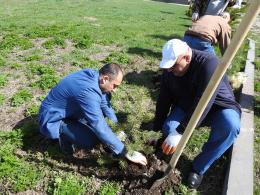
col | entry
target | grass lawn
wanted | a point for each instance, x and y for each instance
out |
(42, 41)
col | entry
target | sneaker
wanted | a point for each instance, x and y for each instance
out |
(194, 180)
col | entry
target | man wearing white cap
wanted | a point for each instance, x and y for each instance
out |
(186, 73)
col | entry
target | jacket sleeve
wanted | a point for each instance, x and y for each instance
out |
(107, 109)
(90, 103)
(163, 104)
(224, 37)
(204, 78)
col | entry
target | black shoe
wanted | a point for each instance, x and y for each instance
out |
(66, 147)
(194, 180)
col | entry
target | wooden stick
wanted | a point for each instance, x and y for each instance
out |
(241, 32)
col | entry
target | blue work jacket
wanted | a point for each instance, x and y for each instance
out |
(79, 97)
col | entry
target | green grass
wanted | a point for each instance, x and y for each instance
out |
(109, 188)
(32, 110)
(42, 76)
(20, 97)
(3, 80)
(2, 99)
(15, 173)
(2, 61)
(9, 41)
(68, 184)
(65, 36)
(54, 42)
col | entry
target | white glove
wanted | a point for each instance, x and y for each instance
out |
(195, 16)
(136, 157)
(170, 143)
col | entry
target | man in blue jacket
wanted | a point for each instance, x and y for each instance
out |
(186, 75)
(74, 112)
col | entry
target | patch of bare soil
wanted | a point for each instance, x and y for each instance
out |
(135, 179)
(10, 115)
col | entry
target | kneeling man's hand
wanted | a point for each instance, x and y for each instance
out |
(170, 143)
(136, 157)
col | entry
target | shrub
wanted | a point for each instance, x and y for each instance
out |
(21, 97)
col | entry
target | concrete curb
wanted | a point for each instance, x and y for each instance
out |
(239, 178)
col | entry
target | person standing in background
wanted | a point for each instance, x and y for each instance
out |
(209, 30)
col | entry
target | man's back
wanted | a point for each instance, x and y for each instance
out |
(63, 101)
(214, 29)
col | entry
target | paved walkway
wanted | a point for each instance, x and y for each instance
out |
(241, 165)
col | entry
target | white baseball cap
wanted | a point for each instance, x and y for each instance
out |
(171, 51)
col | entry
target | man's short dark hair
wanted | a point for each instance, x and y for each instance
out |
(112, 70)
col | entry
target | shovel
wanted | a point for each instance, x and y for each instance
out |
(239, 36)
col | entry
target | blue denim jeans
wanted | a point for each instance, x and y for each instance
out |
(197, 43)
(75, 134)
(225, 126)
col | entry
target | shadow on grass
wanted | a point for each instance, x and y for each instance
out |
(185, 2)
(144, 52)
(185, 18)
(50, 155)
(148, 52)
(165, 12)
(166, 38)
(147, 78)
(257, 107)
(186, 25)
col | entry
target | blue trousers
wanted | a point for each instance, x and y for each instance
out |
(197, 43)
(225, 126)
(74, 133)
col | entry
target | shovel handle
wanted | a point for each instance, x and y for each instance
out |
(239, 36)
